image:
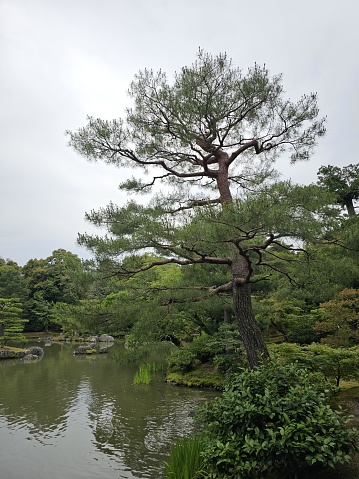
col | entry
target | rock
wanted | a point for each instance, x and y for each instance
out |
(92, 339)
(103, 350)
(84, 350)
(30, 357)
(7, 354)
(105, 338)
(35, 351)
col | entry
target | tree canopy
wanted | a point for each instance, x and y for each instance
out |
(211, 136)
(343, 182)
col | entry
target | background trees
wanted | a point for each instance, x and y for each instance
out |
(11, 320)
(58, 278)
(343, 182)
(209, 135)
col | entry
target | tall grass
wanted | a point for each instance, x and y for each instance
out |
(143, 376)
(185, 460)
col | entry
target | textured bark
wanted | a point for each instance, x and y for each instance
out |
(348, 203)
(241, 290)
(247, 325)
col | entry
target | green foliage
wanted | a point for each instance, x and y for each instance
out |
(201, 377)
(342, 182)
(58, 278)
(339, 321)
(288, 317)
(11, 320)
(185, 460)
(272, 419)
(12, 281)
(223, 348)
(332, 363)
(153, 353)
(182, 360)
(210, 131)
(143, 375)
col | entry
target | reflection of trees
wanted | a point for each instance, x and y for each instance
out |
(39, 395)
(137, 424)
(133, 426)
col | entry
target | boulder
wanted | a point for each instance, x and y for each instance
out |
(7, 354)
(103, 350)
(106, 338)
(84, 350)
(35, 351)
(92, 339)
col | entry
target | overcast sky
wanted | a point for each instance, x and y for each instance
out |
(62, 60)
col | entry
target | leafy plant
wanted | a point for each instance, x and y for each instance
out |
(332, 363)
(182, 360)
(273, 419)
(185, 460)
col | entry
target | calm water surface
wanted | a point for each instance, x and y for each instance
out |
(82, 418)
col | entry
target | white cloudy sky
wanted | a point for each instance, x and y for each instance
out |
(61, 60)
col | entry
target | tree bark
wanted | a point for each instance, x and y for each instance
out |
(247, 325)
(348, 203)
(241, 272)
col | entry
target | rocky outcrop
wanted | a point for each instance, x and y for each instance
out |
(88, 349)
(35, 352)
(7, 354)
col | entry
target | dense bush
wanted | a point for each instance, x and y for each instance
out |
(272, 419)
(223, 349)
(181, 360)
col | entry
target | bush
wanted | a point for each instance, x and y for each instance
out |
(182, 360)
(223, 349)
(272, 419)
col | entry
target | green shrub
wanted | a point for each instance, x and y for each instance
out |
(185, 460)
(272, 419)
(182, 360)
(227, 363)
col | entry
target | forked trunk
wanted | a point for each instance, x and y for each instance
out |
(247, 325)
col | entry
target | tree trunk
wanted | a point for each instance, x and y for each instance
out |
(348, 202)
(241, 272)
(247, 325)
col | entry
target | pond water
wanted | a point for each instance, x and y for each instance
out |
(83, 418)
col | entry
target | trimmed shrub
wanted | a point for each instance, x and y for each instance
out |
(272, 419)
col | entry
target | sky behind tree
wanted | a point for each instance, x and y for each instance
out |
(61, 61)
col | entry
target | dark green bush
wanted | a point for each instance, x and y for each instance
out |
(181, 360)
(272, 419)
(223, 349)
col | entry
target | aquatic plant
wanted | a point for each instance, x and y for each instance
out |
(185, 460)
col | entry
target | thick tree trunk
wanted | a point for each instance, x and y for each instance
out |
(247, 325)
(241, 272)
(348, 202)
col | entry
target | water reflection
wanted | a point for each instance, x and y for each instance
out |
(88, 419)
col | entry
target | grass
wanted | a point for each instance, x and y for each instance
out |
(143, 376)
(185, 459)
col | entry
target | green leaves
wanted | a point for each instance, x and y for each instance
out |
(11, 320)
(270, 419)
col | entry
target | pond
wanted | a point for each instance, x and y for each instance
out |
(83, 418)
